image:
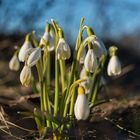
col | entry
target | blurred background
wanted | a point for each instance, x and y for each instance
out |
(116, 22)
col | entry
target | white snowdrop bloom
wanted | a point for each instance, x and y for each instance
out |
(34, 57)
(14, 63)
(81, 108)
(63, 50)
(48, 37)
(100, 48)
(24, 51)
(90, 62)
(25, 76)
(114, 66)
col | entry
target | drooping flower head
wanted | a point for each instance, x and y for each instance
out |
(81, 108)
(114, 65)
(48, 38)
(34, 57)
(25, 49)
(14, 63)
(90, 62)
(25, 76)
(63, 50)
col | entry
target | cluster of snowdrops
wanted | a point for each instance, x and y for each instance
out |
(75, 89)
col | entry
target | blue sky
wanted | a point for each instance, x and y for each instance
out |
(109, 18)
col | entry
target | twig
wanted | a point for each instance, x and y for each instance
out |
(122, 128)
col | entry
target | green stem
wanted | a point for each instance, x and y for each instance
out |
(95, 91)
(35, 90)
(46, 102)
(56, 100)
(62, 70)
(44, 96)
(72, 103)
(74, 66)
(97, 71)
(48, 71)
(93, 85)
(41, 102)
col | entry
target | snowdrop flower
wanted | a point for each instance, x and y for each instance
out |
(90, 62)
(114, 66)
(48, 37)
(63, 50)
(25, 50)
(14, 63)
(25, 76)
(81, 108)
(100, 48)
(34, 57)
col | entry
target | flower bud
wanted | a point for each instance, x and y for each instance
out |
(114, 66)
(81, 108)
(25, 76)
(14, 63)
(63, 50)
(34, 57)
(24, 51)
(90, 62)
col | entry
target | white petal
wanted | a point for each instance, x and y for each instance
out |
(81, 108)
(100, 48)
(25, 76)
(63, 50)
(14, 63)
(44, 38)
(114, 66)
(90, 62)
(23, 51)
(51, 41)
(34, 57)
(48, 37)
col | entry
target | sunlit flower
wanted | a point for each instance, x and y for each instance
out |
(48, 37)
(25, 76)
(81, 108)
(90, 62)
(114, 66)
(25, 50)
(63, 50)
(34, 57)
(14, 63)
(99, 48)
